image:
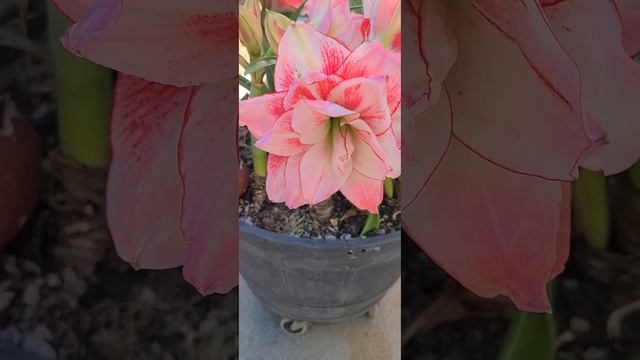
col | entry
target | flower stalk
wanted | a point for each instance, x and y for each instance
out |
(388, 187)
(591, 207)
(84, 95)
(530, 337)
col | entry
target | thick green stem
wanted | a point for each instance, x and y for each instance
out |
(530, 337)
(592, 208)
(259, 156)
(84, 94)
(259, 160)
(388, 187)
(634, 175)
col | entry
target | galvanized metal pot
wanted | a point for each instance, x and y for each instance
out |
(318, 280)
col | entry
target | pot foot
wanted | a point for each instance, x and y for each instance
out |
(294, 327)
(372, 310)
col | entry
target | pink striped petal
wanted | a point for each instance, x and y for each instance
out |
(385, 21)
(208, 154)
(343, 148)
(363, 192)
(541, 123)
(73, 9)
(182, 43)
(293, 196)
(590, 30)
(429, 48)
(369, 158)
(281, 139)
(370, 60)
(311, 119)
(312, 86)
(260, 113)
(276, 183)
(366, 97)
(303, 50)
(318, 179)
(494, 231)
(424, 144)
(630, 13)
(144, 188)
(392, 153)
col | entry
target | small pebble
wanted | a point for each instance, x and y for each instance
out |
(579, 324)
(570, 284)
(11, 334)
(31, 295)
(5, 299)
(35, 343)
(31, 267)
(53, 280)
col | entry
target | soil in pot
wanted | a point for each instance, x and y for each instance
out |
(345, 221)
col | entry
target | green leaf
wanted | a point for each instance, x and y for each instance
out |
(372, 223)
(270, 79)
(245, 83)
(531, 337)
(261, 63)
(296, 14)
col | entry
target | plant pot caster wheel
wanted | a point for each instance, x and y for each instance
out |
(372, 311)
(294, 327)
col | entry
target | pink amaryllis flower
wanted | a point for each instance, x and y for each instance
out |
(504, 101)
(170, 201)
(327, 127)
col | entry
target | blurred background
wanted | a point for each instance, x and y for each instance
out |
(64, 293)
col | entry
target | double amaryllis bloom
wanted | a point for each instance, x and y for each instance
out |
(328, 126)
(504, 100)
(172, 189)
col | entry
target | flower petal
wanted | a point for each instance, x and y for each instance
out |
(208, 155)
(429, 48)
(303, 50)
(281, 139)
(311, 119)
(366, 97)
(276, 183)
(630, 12)
(260, 113)
(182, 43)
(370, 60)
(369, 158)
(590, 30)
(144, 188)
(392, 152)
(312, 86)
(343, 147)
(542, 123)
(318, 178)
(363, 192)
(73, 9)
(424, 143)
(503, 226)
(293, 196)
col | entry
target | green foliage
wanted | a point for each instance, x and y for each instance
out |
(372, 223)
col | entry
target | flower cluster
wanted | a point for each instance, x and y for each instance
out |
(333, 121)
